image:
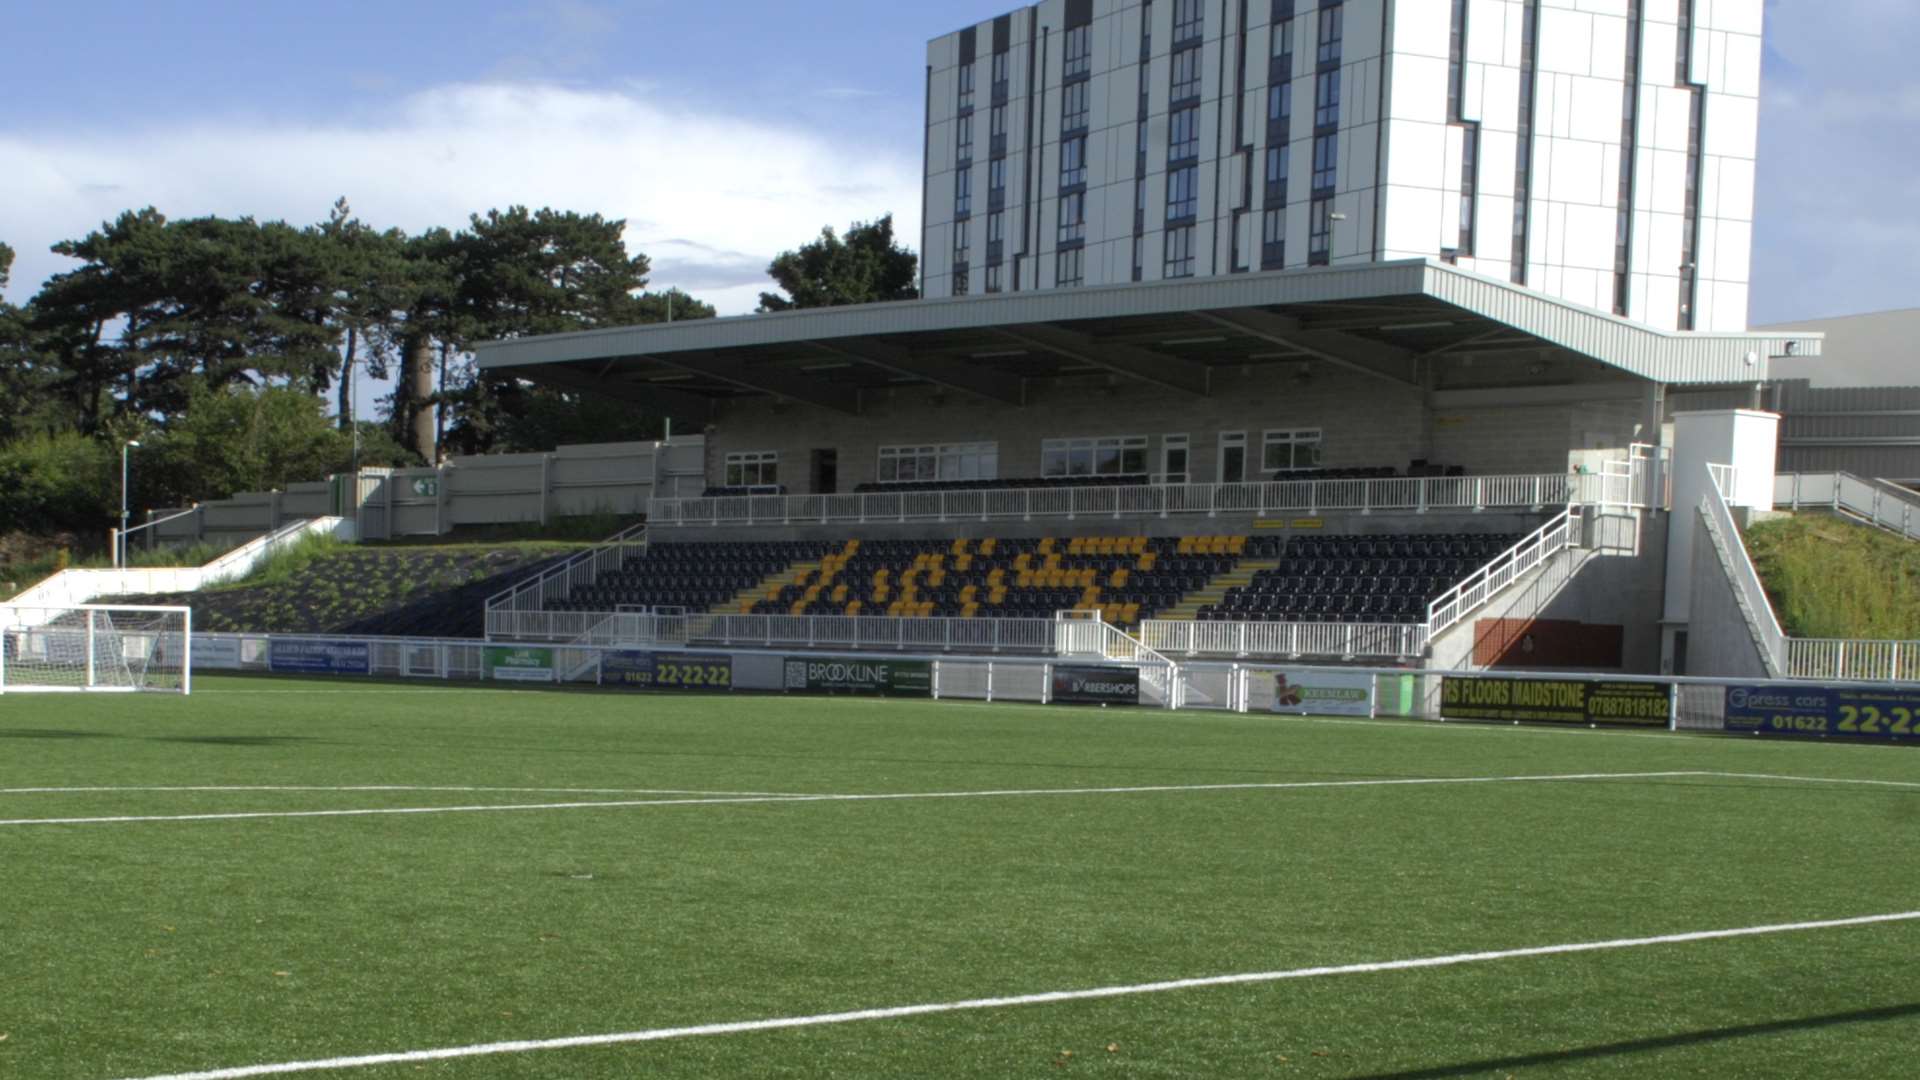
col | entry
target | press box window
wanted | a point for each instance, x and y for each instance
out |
(753, 468)
(954, 461)
(1291, 451)
(1113, 455)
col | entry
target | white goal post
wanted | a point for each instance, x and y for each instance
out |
(96, 647)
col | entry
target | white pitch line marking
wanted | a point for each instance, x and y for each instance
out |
(883, 797)
(221, 788)
(899, 1012)
(1817, 780)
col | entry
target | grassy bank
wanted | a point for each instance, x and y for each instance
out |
(1831, 578)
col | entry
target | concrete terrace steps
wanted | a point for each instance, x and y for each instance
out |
(1215, 591)
(743, 601)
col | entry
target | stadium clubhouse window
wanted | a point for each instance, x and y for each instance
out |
(952, 461)
(1179, 261)
(1110, 455)
(1069, 267)
(1079, 58)
(753, 468)
(1186, 74)
(1291, 451)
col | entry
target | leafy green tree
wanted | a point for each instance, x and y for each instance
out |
(57, 482)
(865, 267)
(241, 438)
(520, 273)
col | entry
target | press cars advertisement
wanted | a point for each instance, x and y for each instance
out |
(666, 671)
(514, 664)
(896, 678)
(320, 657)
(1554, 701)
(1096, 686)
(1815, 711)
(1318, 693)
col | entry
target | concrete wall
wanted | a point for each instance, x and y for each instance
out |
(1615, 580)
(1365, 421)
(497, 489)
(1719, 641)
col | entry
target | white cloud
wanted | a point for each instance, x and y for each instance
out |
(711, 198)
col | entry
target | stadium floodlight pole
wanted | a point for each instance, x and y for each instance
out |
(120, 547)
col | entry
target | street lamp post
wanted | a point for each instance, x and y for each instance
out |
(120, 548)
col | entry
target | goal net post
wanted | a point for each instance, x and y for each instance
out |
(96, 648)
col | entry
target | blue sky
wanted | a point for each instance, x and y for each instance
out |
(726, 132)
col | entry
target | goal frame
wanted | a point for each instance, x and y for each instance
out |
(18, 621)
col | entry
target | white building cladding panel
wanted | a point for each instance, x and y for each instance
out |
(1631, 192)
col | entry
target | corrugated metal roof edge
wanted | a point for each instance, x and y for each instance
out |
(1666, 356)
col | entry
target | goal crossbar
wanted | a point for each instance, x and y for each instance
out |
(96, 648)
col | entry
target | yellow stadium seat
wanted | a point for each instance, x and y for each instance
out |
(989, 545)
(969, 610)
(1046, 546)
(1236, 545)
(959, 547)
(963, 562)
(854, 608)
(839, 594)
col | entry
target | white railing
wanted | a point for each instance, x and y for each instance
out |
(1262, 499)
(1874, 661)
(1894, 509)
(1344, 640)
(1026, 636)
(579, 571)
(1509, 566)
(1750, 594)
(1725, 479)
(72, 587)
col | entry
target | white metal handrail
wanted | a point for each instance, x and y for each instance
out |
(1505, 568)
(1724, 535)
(1260, 499)
(583, 569)
(1875, 502)
(1347, 641)
(1025, 636)
(1829, 658)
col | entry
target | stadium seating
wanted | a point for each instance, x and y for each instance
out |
(1127, 578)
(1372, 579)
(691, 576)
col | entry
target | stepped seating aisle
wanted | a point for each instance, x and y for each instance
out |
(1360, 579)
(1127, 579)
(697, 577)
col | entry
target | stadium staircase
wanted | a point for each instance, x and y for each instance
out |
(1242, 575)
(768, 588)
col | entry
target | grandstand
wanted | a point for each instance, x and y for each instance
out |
(1386, 445)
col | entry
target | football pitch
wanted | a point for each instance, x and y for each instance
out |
(375, 881)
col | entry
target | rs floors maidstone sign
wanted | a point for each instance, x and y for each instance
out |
(1554, 701)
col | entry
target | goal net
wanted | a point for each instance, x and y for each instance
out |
(96, 648)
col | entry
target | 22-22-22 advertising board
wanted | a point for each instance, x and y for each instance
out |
(1816, 711)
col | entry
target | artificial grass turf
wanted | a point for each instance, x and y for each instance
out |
(146, 948)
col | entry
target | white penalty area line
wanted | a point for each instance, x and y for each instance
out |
(1054, 997)
(220, 788)
(740, 800)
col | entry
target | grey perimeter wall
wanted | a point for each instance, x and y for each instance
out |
(617, 478)
(1365, 421)
(1719, 642)
(1617, 578)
